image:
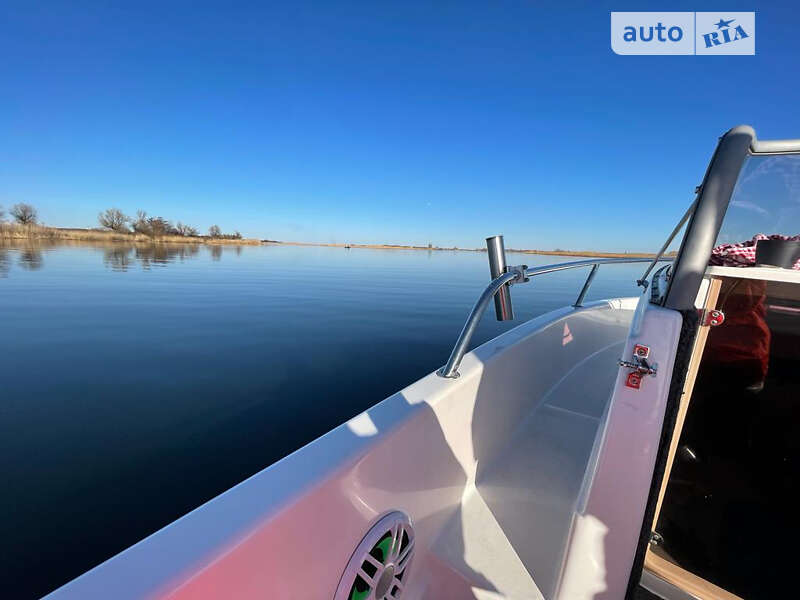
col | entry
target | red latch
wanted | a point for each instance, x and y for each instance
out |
(640, 366)
(714, 318)
(633, 380)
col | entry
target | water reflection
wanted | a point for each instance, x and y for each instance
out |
(121, 258)
(30, 259)
(5, 262)
(161, 254)
(117, 257)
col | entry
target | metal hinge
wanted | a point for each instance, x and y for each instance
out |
(519, 271)
(656, 538)
(640, 366)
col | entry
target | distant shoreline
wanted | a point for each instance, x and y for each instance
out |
(10, 231)
(587, 253)
(54, 234)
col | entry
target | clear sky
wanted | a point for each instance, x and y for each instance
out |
(406, 122)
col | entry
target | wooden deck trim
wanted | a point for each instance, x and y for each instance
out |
(683, 579)
(688, 387)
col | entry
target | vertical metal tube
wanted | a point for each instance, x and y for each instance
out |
(589, 279)
(497, 266)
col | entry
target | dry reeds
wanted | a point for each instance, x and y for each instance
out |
(14, 231)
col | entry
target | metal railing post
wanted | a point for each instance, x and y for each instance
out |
(497, 266)
(589, 279)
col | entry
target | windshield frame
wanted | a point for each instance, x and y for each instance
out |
(713, 198)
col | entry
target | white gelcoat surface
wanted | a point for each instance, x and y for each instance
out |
(608, 522)
(760, 273)
(489, 466)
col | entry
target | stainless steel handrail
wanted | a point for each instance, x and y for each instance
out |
(585, 288)
(450, 370)
(689, 212)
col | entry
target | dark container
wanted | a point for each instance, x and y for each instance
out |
(777, 253)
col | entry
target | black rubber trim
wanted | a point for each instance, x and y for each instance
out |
(683, 353)
(703, 228)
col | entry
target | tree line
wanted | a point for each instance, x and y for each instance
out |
(113, 219)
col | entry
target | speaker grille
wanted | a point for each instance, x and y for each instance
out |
(378, 569)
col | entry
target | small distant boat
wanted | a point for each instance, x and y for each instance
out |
(569, 458)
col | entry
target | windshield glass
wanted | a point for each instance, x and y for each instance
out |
(765, 205)
(766, 199)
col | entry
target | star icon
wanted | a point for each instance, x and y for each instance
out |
(722, 23)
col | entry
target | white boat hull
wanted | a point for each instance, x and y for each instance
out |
(489, 467)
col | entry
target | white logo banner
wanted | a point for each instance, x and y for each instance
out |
(683, 33)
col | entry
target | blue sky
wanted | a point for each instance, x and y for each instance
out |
(407, 122)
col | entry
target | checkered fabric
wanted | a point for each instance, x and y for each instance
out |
(743, 254)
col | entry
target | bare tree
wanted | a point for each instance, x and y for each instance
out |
(2, 214)
(160, 226)
(185, 230)
(113, 219)
(24, 214)
(140, 224)
(214, 231)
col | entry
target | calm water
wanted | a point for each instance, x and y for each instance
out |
(138, 383)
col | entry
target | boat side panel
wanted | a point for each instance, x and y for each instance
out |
(288, 531)
(608, 522)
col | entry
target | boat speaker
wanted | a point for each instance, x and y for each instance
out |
(378, 569)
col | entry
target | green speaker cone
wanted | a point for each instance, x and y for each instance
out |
(384, 546)
(377, 569)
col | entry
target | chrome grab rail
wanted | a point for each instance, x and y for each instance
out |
(642, 281)
(516, 275)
